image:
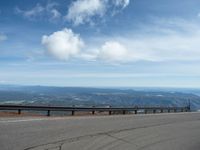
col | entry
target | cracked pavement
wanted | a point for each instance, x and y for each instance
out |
(139, 132)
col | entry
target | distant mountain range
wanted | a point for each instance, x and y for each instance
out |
(79, 96)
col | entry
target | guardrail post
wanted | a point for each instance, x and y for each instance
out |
(48, 113)
(145, 111)
(110, 112)
(124, 112)
(73, 112)
(189, 106)
(136, 111)
(19, 111)
(93, 111)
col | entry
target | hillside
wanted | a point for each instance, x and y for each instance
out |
(68, 96)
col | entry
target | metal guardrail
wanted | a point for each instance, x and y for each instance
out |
(110, 110)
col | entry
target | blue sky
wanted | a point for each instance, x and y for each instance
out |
(106, 43)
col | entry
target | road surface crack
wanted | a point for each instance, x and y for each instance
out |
(108, 133)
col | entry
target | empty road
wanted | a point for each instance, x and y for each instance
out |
(180, 131)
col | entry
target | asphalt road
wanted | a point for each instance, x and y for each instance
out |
(179, 131)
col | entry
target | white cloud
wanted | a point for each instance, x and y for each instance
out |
(79, 11)
(38, 10)
(3, 37)
(63, 44)
(170, 47)
(166, 40)
(55, 14)
(3, 81)
(113, 51)
(123, 3)
(82, 11)
(52, 11)
(35, 11)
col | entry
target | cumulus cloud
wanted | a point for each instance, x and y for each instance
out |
(40, 11)
(63, 44)
(3, 37)
(166, 40)
(82, 11)
(114, 51)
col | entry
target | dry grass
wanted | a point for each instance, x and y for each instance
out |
(15, 114)
(53, 114)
